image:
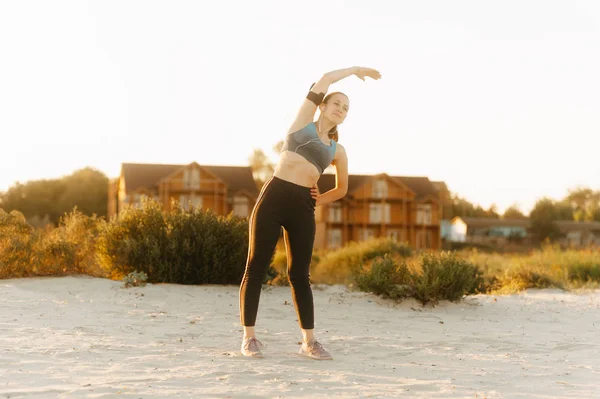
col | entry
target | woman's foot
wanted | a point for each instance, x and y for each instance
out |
(251, 347)
(314, 350)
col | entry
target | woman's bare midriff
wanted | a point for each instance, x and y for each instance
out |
(296, 169)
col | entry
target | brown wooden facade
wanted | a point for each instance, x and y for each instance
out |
(406, 209)
(223, 189)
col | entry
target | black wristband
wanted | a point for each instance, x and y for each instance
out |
(315, 98)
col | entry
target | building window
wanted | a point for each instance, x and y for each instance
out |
(379, 213)
(366, 234)
(574, 238)
(189, 201)
(334, 238)
(424, 239)
(136, 199)
(195, 201)
(424, 214)
(393, 235)
(240, 206)
(335, 213)
(380, 188)
(183, 201)
(191, 178)
(374, 213)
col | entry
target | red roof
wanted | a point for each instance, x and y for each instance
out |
(421, 186)
(148, 175)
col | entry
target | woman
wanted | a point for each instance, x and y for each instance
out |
(288, 200)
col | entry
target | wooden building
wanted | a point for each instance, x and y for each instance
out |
(223, 189)
(406, 209)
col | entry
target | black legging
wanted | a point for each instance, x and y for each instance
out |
(287, 205)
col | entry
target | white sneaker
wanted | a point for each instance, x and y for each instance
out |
(251, 347)
(314, 350)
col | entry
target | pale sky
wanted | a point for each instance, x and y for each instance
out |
(499, 99)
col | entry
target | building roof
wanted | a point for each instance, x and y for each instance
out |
(139, 175)
(563, 225)
(421, 186)
(327, 182)
(572, 225)
(148, 175)
(493, 222)
(440, 185)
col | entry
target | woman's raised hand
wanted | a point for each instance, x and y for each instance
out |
(362, 73)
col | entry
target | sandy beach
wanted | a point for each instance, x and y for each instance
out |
(84, 337)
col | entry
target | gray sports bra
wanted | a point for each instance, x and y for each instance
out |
(307, 143)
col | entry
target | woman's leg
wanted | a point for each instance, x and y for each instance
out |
(264, 232)
(299, 237)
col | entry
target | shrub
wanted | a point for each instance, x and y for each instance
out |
(183, 246)
(385, 278)
(26, 251)
(134, 240)
(135, 279)
(339, 265)
(521, 278)
(17, 242)
(442, 277)
(548, 267)
(73, 244)
(584, 272)
(445, 277)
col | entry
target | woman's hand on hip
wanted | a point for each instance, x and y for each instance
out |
(314, 192)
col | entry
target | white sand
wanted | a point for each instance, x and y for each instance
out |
(82, 337)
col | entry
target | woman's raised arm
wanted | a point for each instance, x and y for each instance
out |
(318, 90)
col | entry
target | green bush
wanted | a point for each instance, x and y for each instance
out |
(135, 279)
(525, 278)
(520, 278)
(73, 244)
(442, 277)
(445, 277)
(385, 278)
(584, 272)
(339, 265)
(17, 243)
(26, 251)
(547, 267)
(134, 240)
(183, 246)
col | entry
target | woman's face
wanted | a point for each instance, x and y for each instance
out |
(336, 108)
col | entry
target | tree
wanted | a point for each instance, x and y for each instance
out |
(513, 212)
(88, 190)
(49, 199)
(262, 168)
(542, 219)
(564, 210)
(462, 207)
(585, 203)
(35, 198)
(492, 212)
(277, 147)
